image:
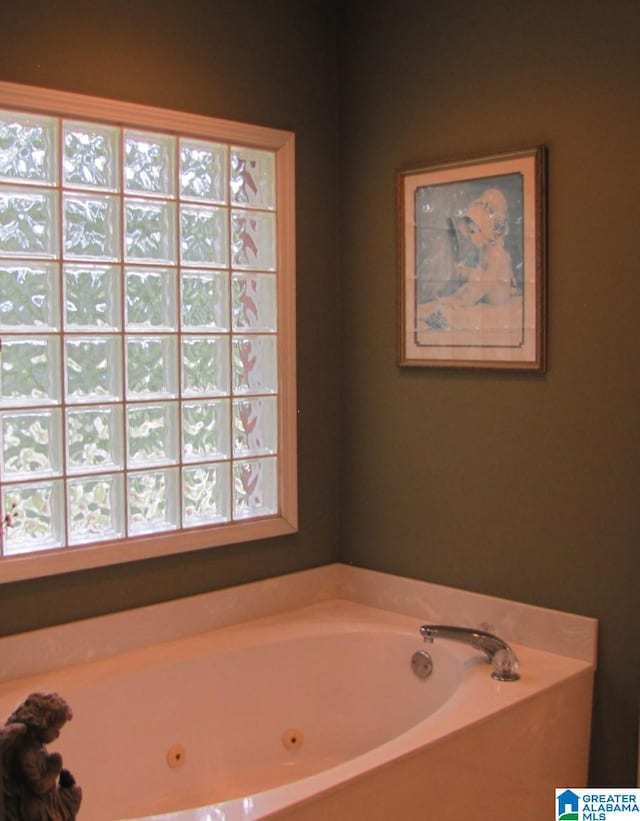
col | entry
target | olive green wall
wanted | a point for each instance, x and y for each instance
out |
(269, 63)
(520, 486)
(514, 485)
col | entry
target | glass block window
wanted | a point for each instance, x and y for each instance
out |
(143, 384)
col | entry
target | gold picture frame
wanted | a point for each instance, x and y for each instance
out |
(472, 263)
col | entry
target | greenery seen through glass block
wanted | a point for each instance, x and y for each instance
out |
(94, 438)
(205, 300)
(89, 264)
(91, 156)
(149, 163)
(152, 299)
(203, 170)
(92, 226)
(205, 494)
(28, 148)
(93, 369)
(95, 508)
(151, 434)
(205, 430)
(151, 366)
(29, 371)
(28, 223)
(92, 297)
(205, 365)
(149, 231)
(31, 444)
(29, 296)
(153, 501)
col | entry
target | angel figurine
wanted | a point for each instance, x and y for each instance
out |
(35, 787)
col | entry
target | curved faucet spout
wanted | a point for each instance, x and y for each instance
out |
(496, 649)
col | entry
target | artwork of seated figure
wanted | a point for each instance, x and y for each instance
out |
(35, 787)
(485, 223)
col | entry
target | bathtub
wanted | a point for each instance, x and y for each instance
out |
(316, 713)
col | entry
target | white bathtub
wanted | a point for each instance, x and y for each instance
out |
(315, 713)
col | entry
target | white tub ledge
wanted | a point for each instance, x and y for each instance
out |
(293, 698)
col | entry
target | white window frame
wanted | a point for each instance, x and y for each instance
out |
(65, 104)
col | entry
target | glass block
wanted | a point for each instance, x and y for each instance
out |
(255, 427)
(205, 431)
(37, 516)
(149, 231)
(152, 434)
(152, 367)
(255, 488)
(255, 306)
(28, 222)
(95, 508)
(253, 178)
(203, 171)
(205, 300)
(91, 226)
(203, 236)
(94, 439)
(31, 444)
(92, 297)
(91, 156)
(93, 370)
(205, 366)
(255, 367)
(149, 163)
(154, 503)
(29, 296)
(253, 241)
(206, 494)
(152, 299)
(29, 371)
(28, 148)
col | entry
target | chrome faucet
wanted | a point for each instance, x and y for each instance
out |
(498, 652)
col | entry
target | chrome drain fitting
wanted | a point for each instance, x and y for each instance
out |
(422, 664)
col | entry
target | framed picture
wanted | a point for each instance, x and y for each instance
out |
(471, 239)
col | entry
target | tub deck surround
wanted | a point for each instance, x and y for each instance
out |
(527, 736)
(559, 632)
(67, 645)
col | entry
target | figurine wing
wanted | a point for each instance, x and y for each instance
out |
(11, 736)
